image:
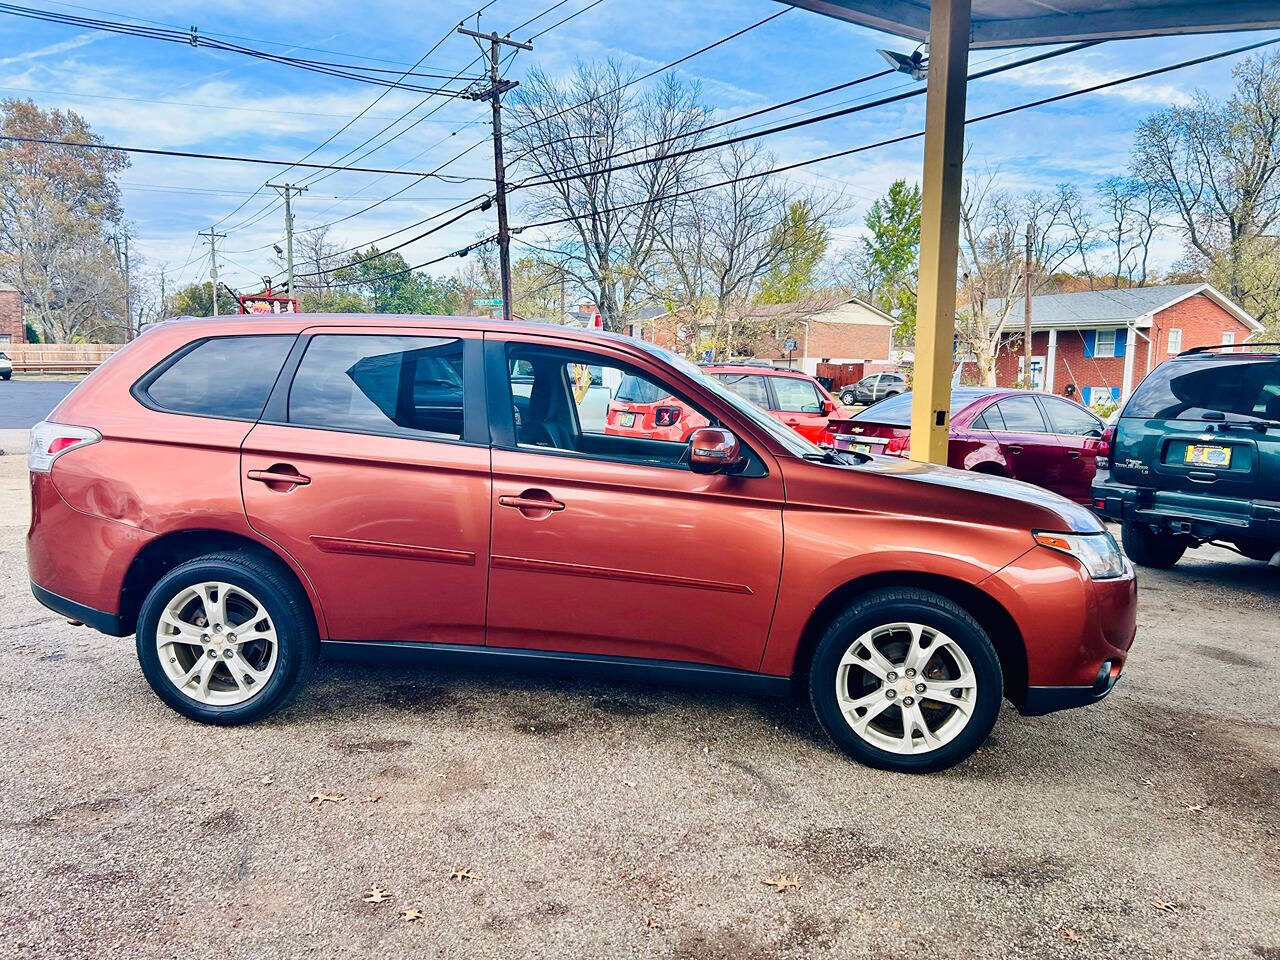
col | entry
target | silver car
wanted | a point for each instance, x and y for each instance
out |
(6, 366)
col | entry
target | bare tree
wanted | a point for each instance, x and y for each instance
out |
(572, 135)
(1216, 168)
(1130, 221)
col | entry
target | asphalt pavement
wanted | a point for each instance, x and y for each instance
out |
(24, 403)
(526, 817)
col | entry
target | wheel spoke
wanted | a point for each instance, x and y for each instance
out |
(239, 667)
(258, 615)
(861, 723)
(913, 720)
(917, 655)
(187, 632)
(206, 674)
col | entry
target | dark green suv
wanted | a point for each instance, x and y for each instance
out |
(1195, 457)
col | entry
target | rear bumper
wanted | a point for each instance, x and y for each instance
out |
(100, 620)
(1042, 700)
(1202, 516)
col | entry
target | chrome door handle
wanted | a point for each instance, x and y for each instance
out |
(526, 502)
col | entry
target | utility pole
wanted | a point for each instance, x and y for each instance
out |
(1026, 308)
(288, 190)
(497, 87)
(213, 237)
(122, 252)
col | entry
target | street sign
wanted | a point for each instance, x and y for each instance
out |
(789, 345)
(487, 302)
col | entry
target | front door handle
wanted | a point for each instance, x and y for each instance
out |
(534, 504)
(1073, 454)
(279, 474)
(1015, 448)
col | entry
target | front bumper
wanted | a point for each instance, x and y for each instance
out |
(1198, 515)
(1042, 700)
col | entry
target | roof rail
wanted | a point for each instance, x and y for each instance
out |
(1227, 346)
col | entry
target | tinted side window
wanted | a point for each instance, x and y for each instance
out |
(1186, 389)
(409, 386)
(749, 386)
(1021, 415)
(797, 396)
(228, 377)
(1070, 418)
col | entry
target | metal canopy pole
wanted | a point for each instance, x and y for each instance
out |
(939, 229)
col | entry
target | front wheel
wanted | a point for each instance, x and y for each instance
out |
(226, 638)
(1150, 548)
(848, 398)
(906, 680)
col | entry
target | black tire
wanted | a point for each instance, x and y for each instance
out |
(285, 603)
(1148, 548)
(888, 606)
(1256, 550)
(5, 376)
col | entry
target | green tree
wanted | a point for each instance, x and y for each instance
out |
(196, 300)
(386, 281)
(893, 253)
(803, 240)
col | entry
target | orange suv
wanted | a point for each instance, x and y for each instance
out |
(243, 494)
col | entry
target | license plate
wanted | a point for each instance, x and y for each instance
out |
(861, 448)
(626, 419)
(1208, 456)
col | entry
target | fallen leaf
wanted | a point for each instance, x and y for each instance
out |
(410, 915)
(373, 799)
(1165, 906)
(1194, 808)
(1068, 934)
(320, 799)
(463, 874)
(267, 780)
(375, 894)
(782, 882)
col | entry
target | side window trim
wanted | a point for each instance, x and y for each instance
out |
(140, 386)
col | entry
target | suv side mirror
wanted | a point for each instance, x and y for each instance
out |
(713, 450)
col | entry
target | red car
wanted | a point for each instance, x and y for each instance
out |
(1036, 437)
(791, 397)
(242, 493)
(643, 410)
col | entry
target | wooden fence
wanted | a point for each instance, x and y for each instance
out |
(58, 357)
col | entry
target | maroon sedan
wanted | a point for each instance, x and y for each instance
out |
(1029, 436)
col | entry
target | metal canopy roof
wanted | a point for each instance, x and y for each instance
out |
(1010, 23)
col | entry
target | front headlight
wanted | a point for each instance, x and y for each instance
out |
(1097, 552)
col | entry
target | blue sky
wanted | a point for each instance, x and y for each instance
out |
(147, 93)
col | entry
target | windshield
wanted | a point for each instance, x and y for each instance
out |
(895, 411)
(792, 441)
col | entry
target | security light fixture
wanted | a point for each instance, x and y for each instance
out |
(916, 64)
(276, 247)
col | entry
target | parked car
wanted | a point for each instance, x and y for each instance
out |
(1036, 437)
(1196, 457)
(642, 409)
(873, 388)
(241, 493)
(6, 367)
(790, 396)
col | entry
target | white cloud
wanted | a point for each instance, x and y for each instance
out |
(54, 48)
(1074, 74)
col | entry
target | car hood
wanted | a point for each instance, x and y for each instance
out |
(906, 486)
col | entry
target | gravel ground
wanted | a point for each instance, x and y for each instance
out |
(598, 820)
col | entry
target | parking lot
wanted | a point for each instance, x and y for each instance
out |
(565, 818)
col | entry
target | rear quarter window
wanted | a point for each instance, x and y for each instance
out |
(225, 377)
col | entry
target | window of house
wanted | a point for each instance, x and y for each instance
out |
(1175, 340)
(1228, 339)
(398, 386)
(1105, 344)
(228, 377)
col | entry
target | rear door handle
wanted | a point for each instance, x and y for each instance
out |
(278, 476)
(1073, 454)
(1015, 448)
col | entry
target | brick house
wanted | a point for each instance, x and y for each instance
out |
(12, 328)
(851, 331)
(1106, 341)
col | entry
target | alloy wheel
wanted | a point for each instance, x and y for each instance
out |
(906, 688)
(217, 644)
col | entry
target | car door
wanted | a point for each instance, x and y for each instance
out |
(797, 403)
(370, 466)
(1029, 447)
(1078, 431)
(609, 545)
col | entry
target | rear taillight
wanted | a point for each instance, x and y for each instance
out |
(898, 445)
(1104, 445)
(49, 441)
(666, 416)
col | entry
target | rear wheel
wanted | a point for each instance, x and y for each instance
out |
(1151, 548)
(226, 638)
(1256, 550)
(906, 680)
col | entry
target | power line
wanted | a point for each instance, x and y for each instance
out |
(150, 151)
(565, 175)
(1081, 91)
(380, 278)
(560, 23)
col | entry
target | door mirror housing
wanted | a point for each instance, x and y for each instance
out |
(714, 450)
(825, 407)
